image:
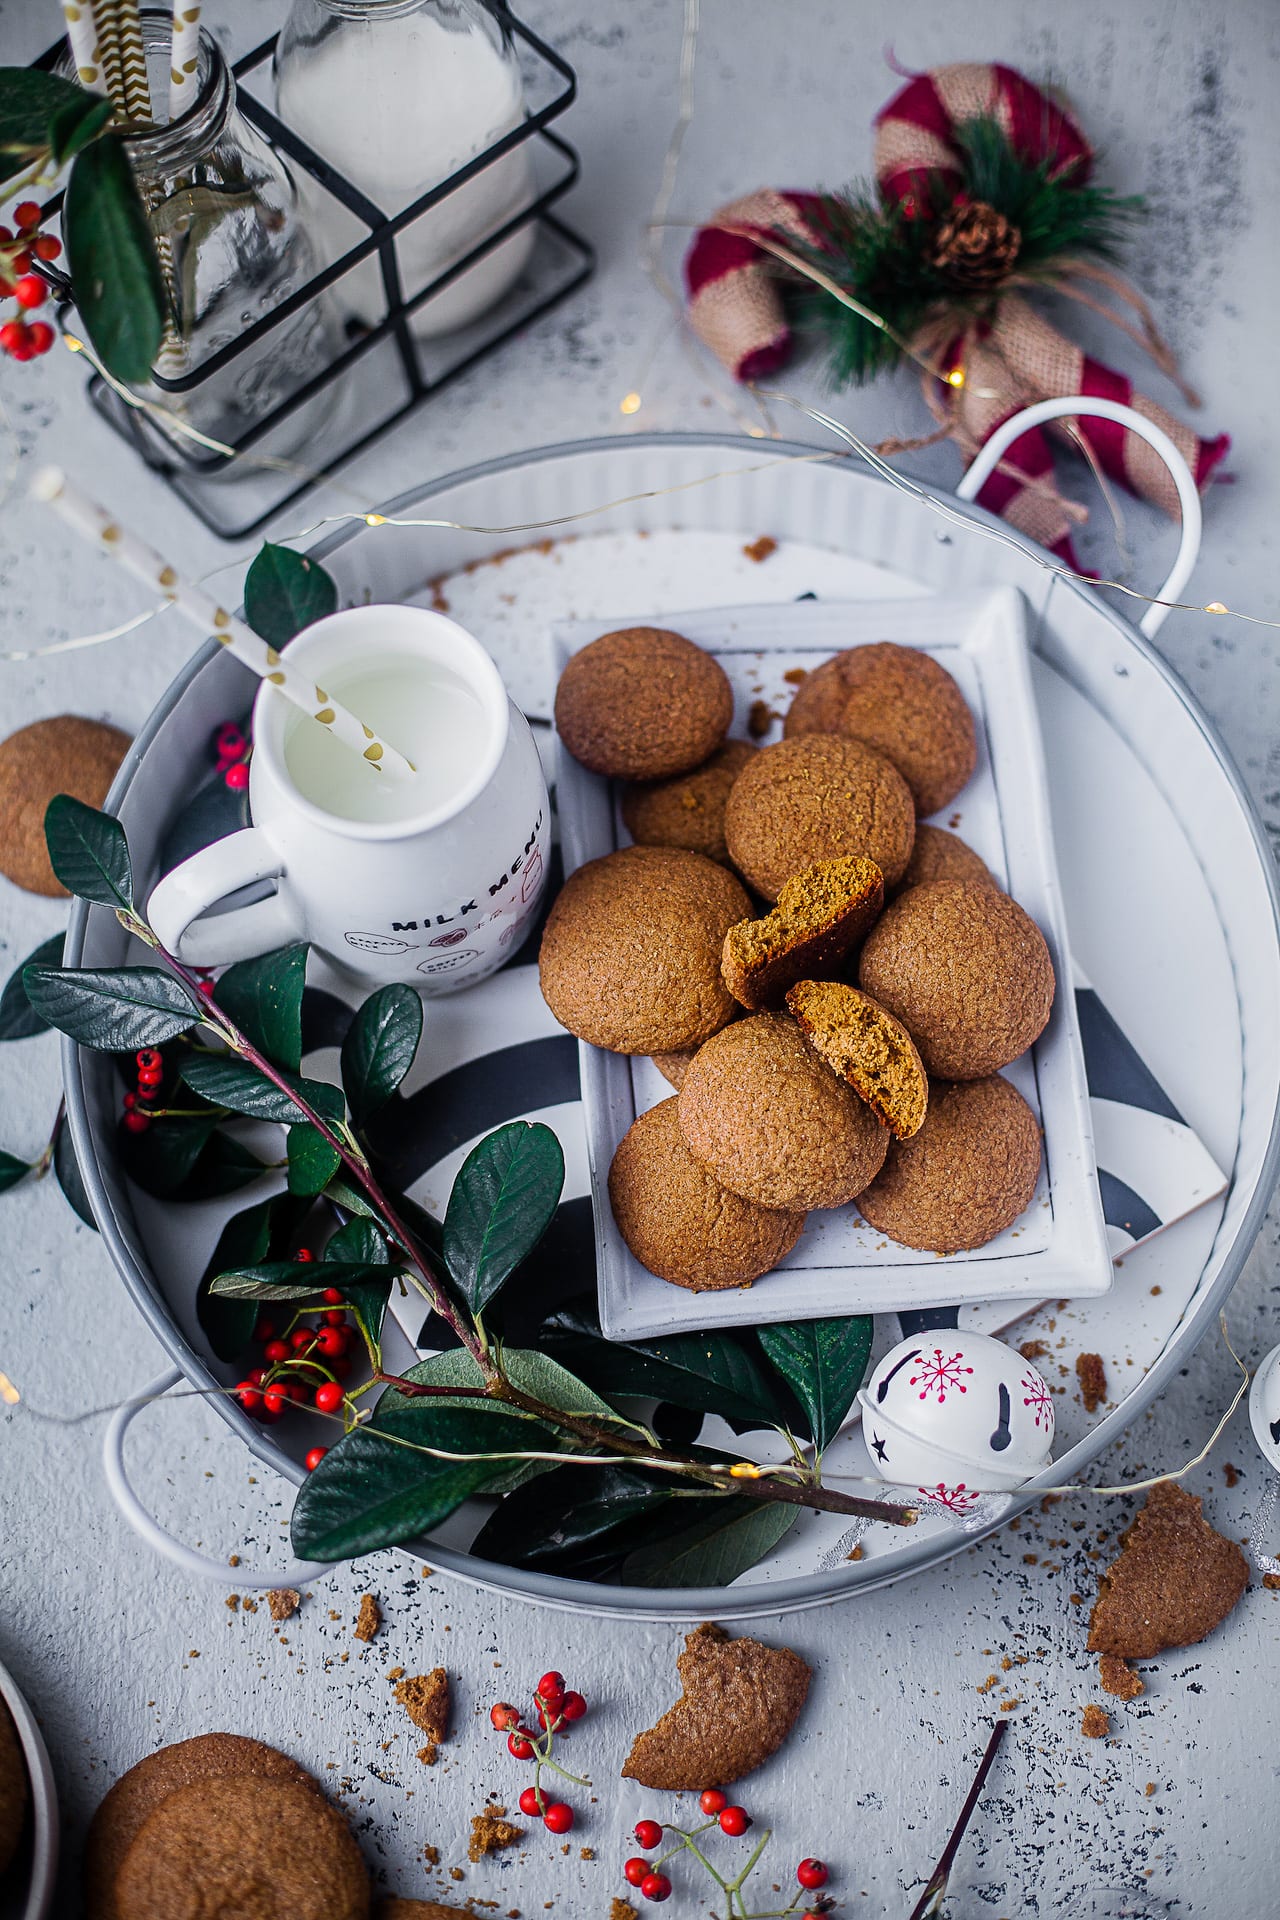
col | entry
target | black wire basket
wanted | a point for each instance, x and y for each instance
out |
(385, 370)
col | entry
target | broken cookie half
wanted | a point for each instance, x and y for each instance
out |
(740, 1701)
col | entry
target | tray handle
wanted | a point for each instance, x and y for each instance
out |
(148, 1527)
(994, 448)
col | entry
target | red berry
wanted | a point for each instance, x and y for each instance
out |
(47, 247)
(712, 1801)
(531, 1802)
(304, 1254)
(41, 336)
(21, 262)
(130, 1102)
(275, 1351)
(301, 1337)
(137, 1122)
(546, 1718)
(26, 214)
(275, 1400)
(519, 1747)
(656, 1886)
(331, 1341)
(551, 1689)
(149, 1081)
(256, 1376)
(504, 1716)
(228, 738)
(329, 1397)
(332, 1294)
(13, 337)
(558, 1817)
(573, 1706)
(206, 986)
(635, 1870)
(248, 1396)
(30, 291)
(735, 1820)
(648, 1834)
(314, 1458)
(812, 1873)
(148, 1057)
(6, 288)
(265, 1329)
(237, 777)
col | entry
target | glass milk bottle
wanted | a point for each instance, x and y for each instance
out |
(397, 95)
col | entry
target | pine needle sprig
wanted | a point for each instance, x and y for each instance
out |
(1055, 217)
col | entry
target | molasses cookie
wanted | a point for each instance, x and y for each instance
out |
(1176, 1579)
(227, 1848)
(967, 973)
(772, 1122)
(642, 704)
(630, 956)
(680, 1222)
(687, 811)
(821, 915)
(739, 1702)
(817, 798)
(818, 702)
(673, 1066)
(901, 702)
(965, 1176)
(63, 755)
(13, 1788)
(939, 855)
(867, 1047)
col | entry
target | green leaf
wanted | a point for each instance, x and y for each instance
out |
(823, 1362)
(89, 853)
(502, 1202)
(286, 591)
(370, 1491)
(30, 102)
(224, 1167)
(18, 1018)
(358, 1242)
(312, 1161)
(264, 999)
(112, 260)
(300, 1282)
(78, 124)
(233, 1083)
(163, 1158)
(115, 1009)
(12, 1170)
(344, 1193)
(66, 1171)
(710, 1372)
(719, 1545)
(228, 1323)
(555, 1520)
(379, 1049)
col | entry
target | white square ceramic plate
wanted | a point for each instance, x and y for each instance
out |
(840, 1265)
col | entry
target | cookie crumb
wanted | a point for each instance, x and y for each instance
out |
(490, 1833)
(760, 717)
(759, 550)
(431, 1855)
(622, 1910)
(1095, 1722)
(857, 1554)
(1271, 1581)
(284, 1602)
(369, 1618)
(1150, 1788)
(1092, 1375)
(425, 1698)
(248, 1606)
(1033, 1349)
(1117, 1677)
(985, 1686)
(1230, 1474)
(425, 1572)
(587, 1853)
(429, 1754)
(394, 1673)
(794, 675)
(232, 1601)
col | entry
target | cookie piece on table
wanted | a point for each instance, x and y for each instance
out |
(817, 798)
(687, 811)
(1175, 1580)
(239, 1846)
(67, 754)
(630, 956)
(679, 1221)
(14, 1790)
(772, 1122)
(740, 1701)
(642, 703)
(866, 1046)
(821, 915)
(425, 1697)
(939, 855)
(965, 970)
(138, 1793)
(965, 1176)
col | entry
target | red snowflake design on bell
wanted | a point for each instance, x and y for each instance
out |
(1036, 1396)
(938, 1372)
(959, 1499)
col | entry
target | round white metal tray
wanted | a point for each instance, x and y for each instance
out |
(28, 1887)
(1169, 883)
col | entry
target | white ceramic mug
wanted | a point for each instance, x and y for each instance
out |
(435, 895)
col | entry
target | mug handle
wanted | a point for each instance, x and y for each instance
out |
(179, 901)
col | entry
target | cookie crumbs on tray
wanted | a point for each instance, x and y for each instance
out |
(369, 1618)
(760, 717)
(284, 1602)
(760, 550)
(587, 1853)
(1117, 1677)
(1095, 1722)
(985, 1686)
(1033, 1349)
(1092, 1375)
(248, 1606)
(490, 1833)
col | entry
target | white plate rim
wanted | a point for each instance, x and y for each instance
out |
(43, 1813)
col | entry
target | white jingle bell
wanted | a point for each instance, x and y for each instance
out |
(1264, 1408)
(948, 1407)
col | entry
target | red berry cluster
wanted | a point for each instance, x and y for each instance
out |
(304, 1364)
(556, 1707)
(231, 751)
(20, 338)
(647, 1877)
(146, 1091)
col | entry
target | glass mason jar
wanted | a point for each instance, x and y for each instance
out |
(397, 95)
(223, 209)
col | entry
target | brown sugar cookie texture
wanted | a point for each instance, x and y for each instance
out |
(397, 1907)
(939, 855)
(818, 702)
(1174, 1582)
(679, 1221)
(817, 798)
(674, 1065)
(238, 1848)
(67, 754)
(740, 1701)
(772, 1122)
(965, 1176)
(138, 1793)
(13, 1788)
(630, 956)
(965, 970)
(867, 1047)
(642, 704)
(904, 704)
(687, 811)
(820, 916)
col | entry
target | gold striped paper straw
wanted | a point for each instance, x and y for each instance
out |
(82, 32)
(120, 36)
(52, 487)
(184, 62)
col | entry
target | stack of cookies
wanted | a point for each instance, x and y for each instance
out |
(831, 987)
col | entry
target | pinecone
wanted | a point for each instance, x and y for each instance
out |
(976, 246)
